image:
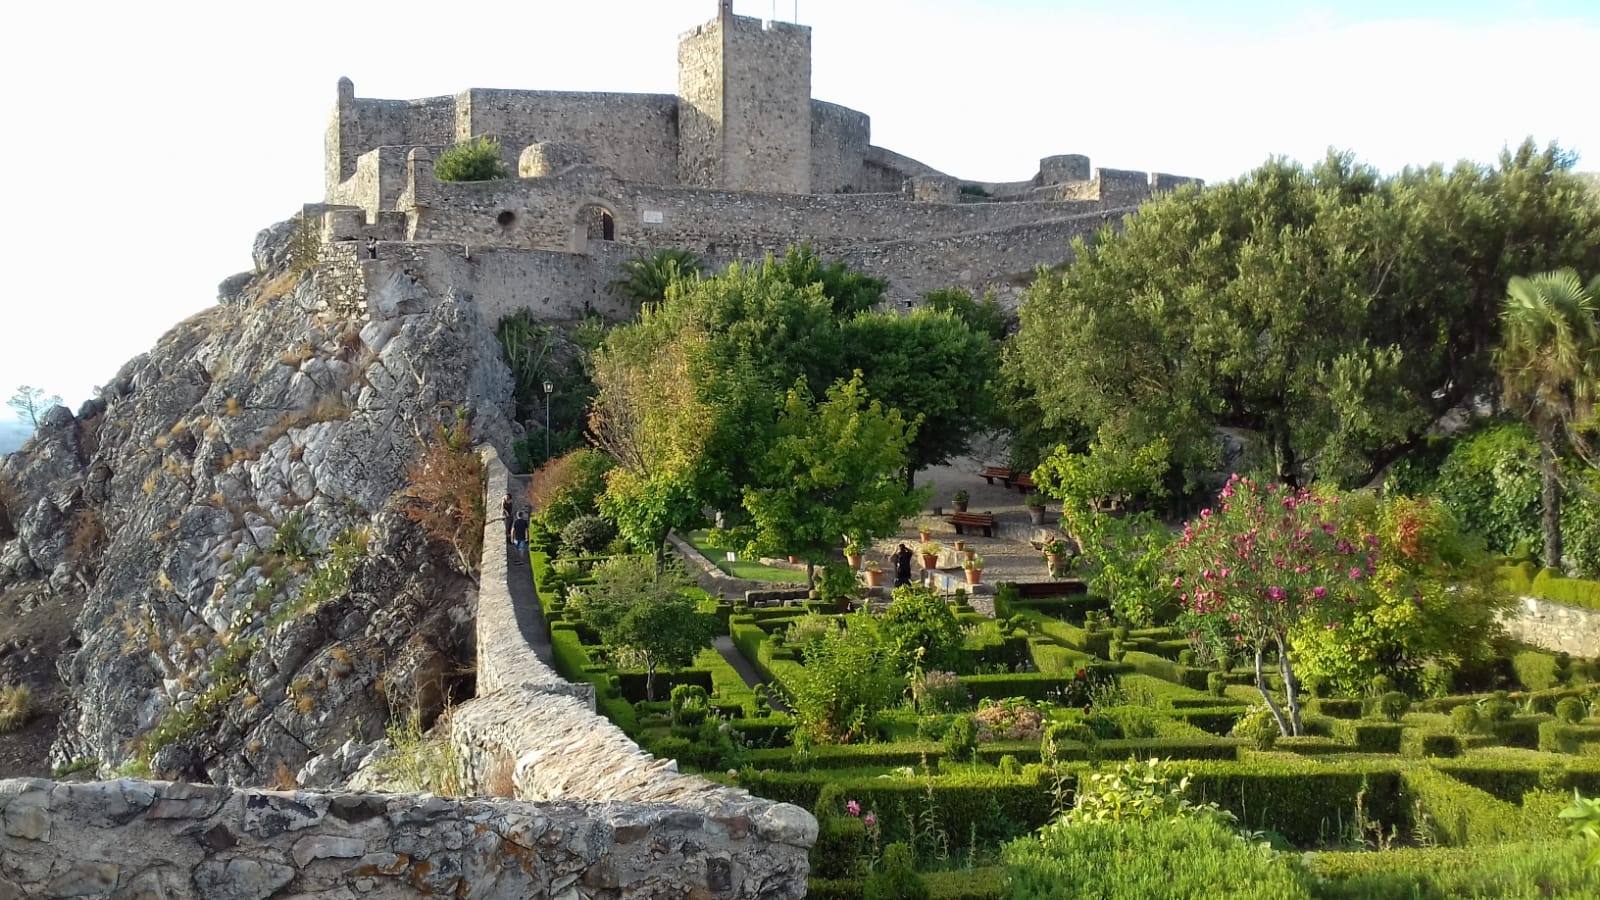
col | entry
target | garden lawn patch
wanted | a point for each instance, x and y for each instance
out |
(750, 571)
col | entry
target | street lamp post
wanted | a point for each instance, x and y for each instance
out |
(548, 390)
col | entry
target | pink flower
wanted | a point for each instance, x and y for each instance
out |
(853, 808)
(1355, 573)
(1205, 513)
(871, 821)
(1177, 582)
(1275, 593)
(1319, 592)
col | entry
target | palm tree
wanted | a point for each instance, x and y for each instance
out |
(645, 278)
(1549, 362)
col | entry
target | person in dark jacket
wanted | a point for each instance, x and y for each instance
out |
(902, 566)
(508, 511)
(519, 532)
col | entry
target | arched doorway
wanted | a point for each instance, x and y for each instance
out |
(593, 223)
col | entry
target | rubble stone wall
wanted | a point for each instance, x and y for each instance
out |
(1554, 626)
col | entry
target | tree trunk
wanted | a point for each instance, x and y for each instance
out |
(650, 681)
(1291, 691)
(1550, 499)
(911, 478)
(1272, 705)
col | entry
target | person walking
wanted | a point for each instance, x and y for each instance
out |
(902, 566)
(519, 533)
(372, 248)
(508, 512)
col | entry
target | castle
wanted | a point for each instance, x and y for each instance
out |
(739, 163)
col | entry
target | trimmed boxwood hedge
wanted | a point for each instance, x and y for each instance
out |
(1559, 737)
(1549, 585)
(1417, 742)
(1307, 801)
(1531, 869)
(1367, 736)
(972, 810)
(1461, 815)
(1160, 667)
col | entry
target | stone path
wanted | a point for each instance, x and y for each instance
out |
(1006, 558)
(525, 600)
(746, 670)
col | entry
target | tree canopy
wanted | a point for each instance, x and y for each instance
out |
(1329, 314)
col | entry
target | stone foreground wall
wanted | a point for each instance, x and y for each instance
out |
(167, 840)
(1555, 627)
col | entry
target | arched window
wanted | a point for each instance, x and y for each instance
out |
(594, 223)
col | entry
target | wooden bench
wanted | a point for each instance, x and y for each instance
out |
(1023, 483)
(964, 520)
(1039, 590)
(990, 473)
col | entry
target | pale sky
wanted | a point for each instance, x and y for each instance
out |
(149, 142)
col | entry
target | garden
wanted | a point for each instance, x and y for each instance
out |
(1269, 652)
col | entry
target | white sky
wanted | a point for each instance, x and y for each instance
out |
(148, 142)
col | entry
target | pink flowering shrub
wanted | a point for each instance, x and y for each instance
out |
(1264, 562)
(1013, 719)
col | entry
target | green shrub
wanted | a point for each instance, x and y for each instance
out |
(1535, 669)
(1140, 859)
(689, 704)
(1466, 720)
(1542, 869)
(1430, 743)
(1558, 737)
(477, 159)
(1008, 765)
(848, 677)
(1217, 684)
(1394, 705)
(1570, 591)
(920, 628)
(1571, 711)
(645, 278)
(896, 877)
(961, 740)
(1258, 727)
(586, 534)
(1462, 815)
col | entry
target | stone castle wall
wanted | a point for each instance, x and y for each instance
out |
(766, 106)
(360, 125)
(840, 137)
(634, 135)
(700, 138)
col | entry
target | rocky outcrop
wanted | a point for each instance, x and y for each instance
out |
(156, 839)
(254, 602)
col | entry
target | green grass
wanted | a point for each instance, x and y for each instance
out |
(751, 571)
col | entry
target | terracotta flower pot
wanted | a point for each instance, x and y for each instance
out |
(1053, 561)
(874, 579)
(930, 560)
(974, 576)
(961, 545)
(961, 505)
(854, 559)
(970, 551)
(794, 560)
(924, 536)
(1036, 515)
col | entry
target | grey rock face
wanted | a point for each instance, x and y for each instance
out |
(196, 502)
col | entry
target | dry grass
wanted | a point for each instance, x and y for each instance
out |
(278, 287)
(501, 781)
(294, 356)
(232, 408)
(88, 537)
(283, 779)
(149, 486)
(16, 707)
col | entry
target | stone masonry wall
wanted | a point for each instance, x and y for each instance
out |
(766, 106)
(634, 135)
(700, 143)
(171, 840)
(1555, 627)
(359, 125)
(839, 140)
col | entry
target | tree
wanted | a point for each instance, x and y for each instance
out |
(1549, 361)
(31, 402)
(645, 279)
(931, 365)
(642, 613)
(850, 674)
(569, 486)
(984, 316)
(1264, 563)
(475, 159)
(848, 291)
(1328, 314)
(538, 354)
(831, 471)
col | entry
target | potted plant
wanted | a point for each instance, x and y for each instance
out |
(794, 560)
(960, 500)
(924, 530)
(960, 545)
(1055, 553)
(874, 575)
(974, 567)
(852, 554)
(930, 555)
(970, 551)
(1035, 508)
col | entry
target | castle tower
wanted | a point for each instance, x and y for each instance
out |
(744, 105)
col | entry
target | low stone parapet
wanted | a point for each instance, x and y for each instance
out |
(1555, 626)
(160, 839)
